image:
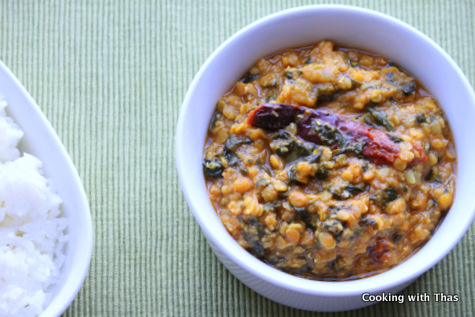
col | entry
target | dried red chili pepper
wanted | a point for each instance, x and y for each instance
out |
(324, 128)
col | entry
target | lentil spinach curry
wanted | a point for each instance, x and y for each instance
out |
(329, 163)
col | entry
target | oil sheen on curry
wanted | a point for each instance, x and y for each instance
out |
(329, 163)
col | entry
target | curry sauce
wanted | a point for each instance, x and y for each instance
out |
(329, 163)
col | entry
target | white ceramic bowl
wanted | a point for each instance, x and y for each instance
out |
(351, 27)
(41, 141)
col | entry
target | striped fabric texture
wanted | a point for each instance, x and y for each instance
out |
(110, 76)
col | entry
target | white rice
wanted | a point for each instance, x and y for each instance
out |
(32, 228)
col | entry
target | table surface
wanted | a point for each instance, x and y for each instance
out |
(111, 76)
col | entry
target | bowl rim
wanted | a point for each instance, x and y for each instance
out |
(247, 261)
(62, 296)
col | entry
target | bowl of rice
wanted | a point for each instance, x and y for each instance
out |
(348, 27)
(45, 221)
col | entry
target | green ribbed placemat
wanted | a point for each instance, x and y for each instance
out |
(110, 76)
